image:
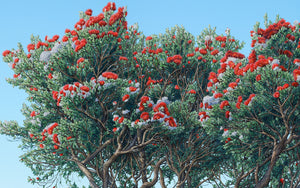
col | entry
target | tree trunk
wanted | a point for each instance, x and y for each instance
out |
(264, 182)
(87, 174)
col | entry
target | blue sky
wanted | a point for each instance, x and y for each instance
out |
(19, 19)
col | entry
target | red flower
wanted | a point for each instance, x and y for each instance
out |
(50, 129)
(276, 94)
(80, 60)
(125, 98)
(281, 180)
(189, 41)
(115, 129)
(288, 53)
(215, 52)
(161, 104)
(110, 75)
(192, 91)
(94, 31)
(171, 122)
(132, 89)
(56, 147)
(295, 84)
(55, 95)
(121, 119)
(89, 12)
(123, 58)
(218, 95)
(240, 99)
(203, 51)
(232, 85)
(238, 105)
(65, 39)
(30, 47)
(55, 139)
(258, 77)
(50, 76)
(148, 38)
(42, 146)
(296, 74)
(144, 116)
(224, 103)
(85, 88)
(285, 86)
(32, 114)
(101, 83)
(227, 114)
(158, 115)
(190, 55)
(176, 87)
(109, 6)
(116, 16)
(116, 118)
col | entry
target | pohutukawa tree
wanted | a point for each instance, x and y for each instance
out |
(126, 110)
(256, 108)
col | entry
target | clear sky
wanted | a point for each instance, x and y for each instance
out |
(19, 19)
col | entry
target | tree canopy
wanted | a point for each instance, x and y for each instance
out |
(128, 110)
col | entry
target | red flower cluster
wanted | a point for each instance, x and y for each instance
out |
(123, 58)
(279, 88)
(80, 44)
(95, 19)
(30, 47)
(148, 38)
(171, 122)
(80, 60)
(192, 91)
(6, 52)
(203, 115)
(144, 100)
(276, 94)
(249, 99)
(203, 51)
(78, 26)
(115, 17)
(218, 95)
(144, 116)
(54, 38)
(55, 139)
(221, 39)
(190, 55)
(125, 98)
(158, 115)
(110, 75)
(89, 12)
(164, 106)
(109, 6)
(258, 77)
(85, 88)
(273, 29)
(224, 103)
(176, 59)
(94, 31)
(232, 54)
(261, 62)
(215, 52)
(50, 129)
(296, 74)
(213, 77)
